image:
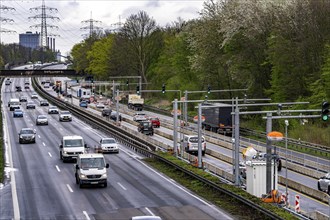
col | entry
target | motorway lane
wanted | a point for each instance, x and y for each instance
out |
(46, 187)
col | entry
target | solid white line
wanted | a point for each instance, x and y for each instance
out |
(184, 190)
(148, 210)
(121, 186)
(39, 136)
(12, 175)
(43, 144)
(58, 169)
(85, 213)
(50, 154)
(67, 185)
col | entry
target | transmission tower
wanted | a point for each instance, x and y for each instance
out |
(91, 27)
(43, 25)
(117, 26)
(5, 20)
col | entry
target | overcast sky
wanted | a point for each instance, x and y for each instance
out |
(72, 13)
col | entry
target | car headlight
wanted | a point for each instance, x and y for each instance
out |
(64, 152)
(104, 175)
(82, 176)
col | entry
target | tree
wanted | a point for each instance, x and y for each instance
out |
(137, 30)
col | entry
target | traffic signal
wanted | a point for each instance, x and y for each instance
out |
(208, 89)
(325, 111)
(127, 83)
(163, 88)
(137, 89)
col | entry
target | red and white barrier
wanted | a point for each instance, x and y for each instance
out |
(297, 206)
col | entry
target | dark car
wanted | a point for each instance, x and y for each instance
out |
(145, 127)
(83, 104)
(23, 99)
(106, 112)
(18, 89)
(30, 105)
(27, 135)
(18, 113)
(113, 116)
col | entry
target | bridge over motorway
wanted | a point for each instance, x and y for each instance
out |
(39, 73)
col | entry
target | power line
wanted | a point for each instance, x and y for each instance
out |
(91, 27)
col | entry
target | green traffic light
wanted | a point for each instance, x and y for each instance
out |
(325, 117)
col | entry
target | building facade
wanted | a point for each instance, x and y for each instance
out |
(29, 39)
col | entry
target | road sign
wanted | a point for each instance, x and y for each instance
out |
(196, 118)
(275, 136)
(118, 98)
(178, 112)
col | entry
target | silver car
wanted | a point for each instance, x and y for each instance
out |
(52, 110)
(108, 145)
(65, 116)
(42, 120)
(324, 183)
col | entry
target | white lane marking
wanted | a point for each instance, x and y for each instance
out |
(121, 186)
(58, 169)
(67, 185)
(148, 210)
(17, 214)
(50, 154)
(85, 213)
(39, 136)
(61, 129)
(43, 143)
(184, 190)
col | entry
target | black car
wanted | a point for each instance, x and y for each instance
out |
(113, 116)
(106, 112)
(145, 127)
(18, 89)
(27, 135)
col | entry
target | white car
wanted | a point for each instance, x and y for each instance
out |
(65, 116)
(53, 110)
(323, 183)
(34, 96)
(140, 116)
(108, 145)
(100, 105)
(42, 120)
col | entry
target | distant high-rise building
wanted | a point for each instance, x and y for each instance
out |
(30, 40)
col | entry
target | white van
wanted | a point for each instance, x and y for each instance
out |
(90, 169)
(71, 147)
(14, 103)
(190, 144)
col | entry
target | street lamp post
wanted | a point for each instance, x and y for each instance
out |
(286, 162)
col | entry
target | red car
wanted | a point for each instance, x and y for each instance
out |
(155, 122)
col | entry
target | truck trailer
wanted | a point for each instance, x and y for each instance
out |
(135, 102)
(218, 118)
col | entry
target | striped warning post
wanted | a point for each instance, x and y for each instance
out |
(297, 206)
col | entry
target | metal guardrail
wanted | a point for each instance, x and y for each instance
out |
(142, 146)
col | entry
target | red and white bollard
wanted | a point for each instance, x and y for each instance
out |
(297, 206)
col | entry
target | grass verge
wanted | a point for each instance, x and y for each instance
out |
(223, 201)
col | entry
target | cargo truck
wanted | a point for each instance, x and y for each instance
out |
(135, 102)
(218, 119)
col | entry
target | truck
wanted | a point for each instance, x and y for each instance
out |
(135, 102)
(218, 118)
(84, 94)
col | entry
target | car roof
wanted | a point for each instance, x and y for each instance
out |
(91, 155)
(69, 137)
(106, 138)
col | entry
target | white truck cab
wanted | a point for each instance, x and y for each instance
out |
(14, 103)
(190, 144)
(90, 169)
(71, 147)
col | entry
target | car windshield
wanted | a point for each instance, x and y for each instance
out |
(65, 112)
(154, 119)
(108, 141)
(18, 110)
(30, 103)
(92, 163)
(73, 143)
(42, 117)
(195, 139)
(27, 131)
(53, 107)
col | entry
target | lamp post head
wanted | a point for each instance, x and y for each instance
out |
(286, 122)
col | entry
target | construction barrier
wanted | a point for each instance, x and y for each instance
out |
(297, 206)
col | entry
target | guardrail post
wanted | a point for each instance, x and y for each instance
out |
(175, 125)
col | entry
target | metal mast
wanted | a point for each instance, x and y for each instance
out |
(5, 20)
(43, 25)
(91, 27)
